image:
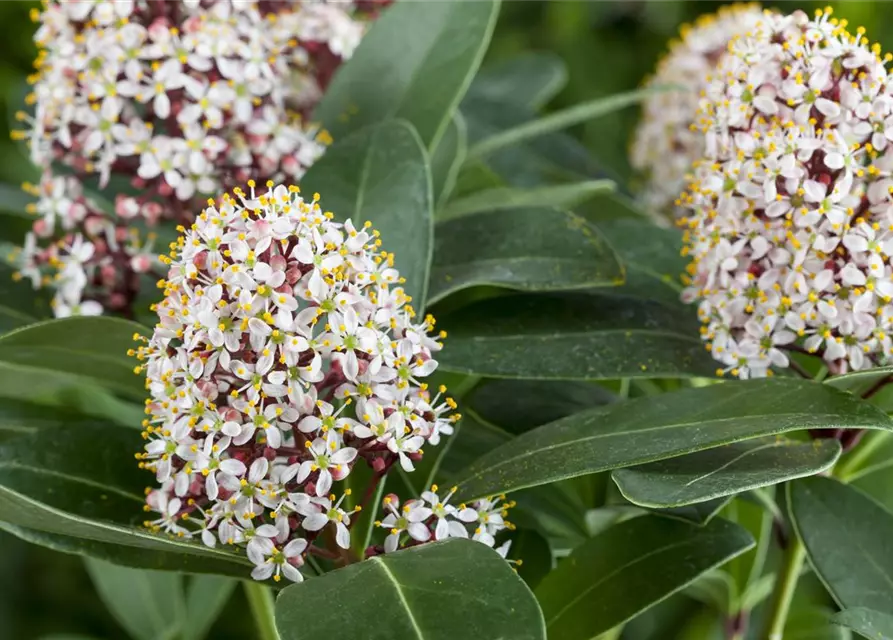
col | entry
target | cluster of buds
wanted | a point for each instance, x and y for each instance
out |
(167, 102)
(286, 352)
(666, 143)
(790, 225)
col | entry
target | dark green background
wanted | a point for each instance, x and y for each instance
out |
(608, 47)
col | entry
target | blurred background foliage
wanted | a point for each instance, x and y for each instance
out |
(608, 47)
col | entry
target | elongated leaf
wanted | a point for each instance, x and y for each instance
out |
(560, 196)
(530, 79)
(520, 405)
(530, 249)
(381, 174)
(416, 63)
(847, 537)
(441, 590)
(858, 382)
(573, 336)
(57, 353)
(205, 599)
(558, 120)
(80, 487)
(148, 604)
(649, 254)
(447, 159)
(724, 471)
(866, 622)
(698, 513)
(179, 559)
(539, 161)
(613, 576)
(664, 426)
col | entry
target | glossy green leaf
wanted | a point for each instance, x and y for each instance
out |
(59, 353)
(724, 471)
(630, 567)
(500, 198)
(78, 489)
(530, 79)
(416, 62)
(573, 336)
(381, 174)
(649, 253)
(657, 427)
(441, 590)
(871, 624)
(557, 121)
(520, 405)
(539, 161)
(205, 599)
(698, 513)
(148, 604)
(858, 382)
(447, 159)
(529, 249)
(847, 537)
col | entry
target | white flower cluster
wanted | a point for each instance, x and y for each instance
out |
(666, 143)
(791, 225)
(285, 352)
(182, 99)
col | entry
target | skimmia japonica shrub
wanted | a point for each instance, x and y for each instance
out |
(286, 352)
(171, 102)
(328, 178)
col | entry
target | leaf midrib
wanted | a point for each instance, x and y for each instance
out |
(397, 587)
(4, 464)
(811, 419)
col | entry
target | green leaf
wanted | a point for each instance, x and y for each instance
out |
(724, 471)
(381, 174)
(698, 513)
(649, 253)
(415, 63)
(813, 623)
(447, 159)
(205, 599)
(530, 79)
(499, 198)
(441, 590)
(573, 336)
(59, 353)
(535, 555)
(541, 160)
(148, 604)
(521, 405)
(663, 426)
(847, 537)
(630, 567)
(866, 622)
(558, 120)
(858, 382)
(530, 249)
(78, 489)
